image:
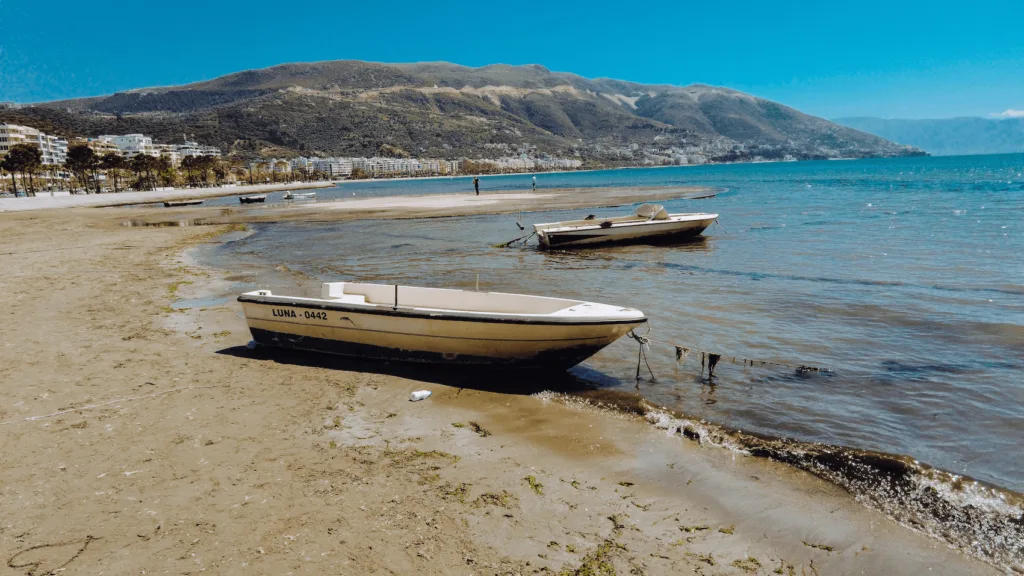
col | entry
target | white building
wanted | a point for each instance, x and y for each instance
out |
(168, 151)
(54, 149)
(333, 167)
(196, 149)
(279, 166)
(99, 147)
(301, 163)
(131, 145)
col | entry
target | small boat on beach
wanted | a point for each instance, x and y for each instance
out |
(648, 223)
(252, 199)
(176, 203)
(438, 326)
(299, 195)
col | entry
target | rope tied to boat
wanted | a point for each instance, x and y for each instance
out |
(524, 239)
(710, 360)
(645, 344)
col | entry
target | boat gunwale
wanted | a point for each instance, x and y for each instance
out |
(437, 314)
(672, 219)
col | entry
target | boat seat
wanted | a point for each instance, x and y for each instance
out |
(335, 291)
(331, 290)
(351, 299)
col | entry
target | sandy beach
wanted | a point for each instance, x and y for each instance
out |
(44, 201)
(415, 206)
(140, 436)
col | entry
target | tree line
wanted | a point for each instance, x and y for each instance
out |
(86, 172)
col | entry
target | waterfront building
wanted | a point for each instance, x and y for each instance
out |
(169, 151)
(99, 147)
(195, 149)
(333, 167)
(131, 145)
(54, 148)
(301, 163)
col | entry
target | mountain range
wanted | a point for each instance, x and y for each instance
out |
(355, 108)
(948, 136)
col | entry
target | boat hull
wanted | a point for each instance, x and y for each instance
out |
(404, 335)
(658, 231)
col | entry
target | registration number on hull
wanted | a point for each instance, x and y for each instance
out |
(307, 314)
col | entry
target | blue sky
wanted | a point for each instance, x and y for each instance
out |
(897, 59)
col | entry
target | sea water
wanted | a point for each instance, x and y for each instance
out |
(904, 278)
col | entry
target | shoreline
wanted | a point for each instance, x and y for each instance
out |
(958, 510)
(481, 176)
(152, 197)
(114, 199)
(169, 445)
(404, 206)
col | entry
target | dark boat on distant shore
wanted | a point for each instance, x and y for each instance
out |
(176, 203)
(252, 199)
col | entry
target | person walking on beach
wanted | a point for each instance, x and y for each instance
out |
(534, 183)
(476, 185)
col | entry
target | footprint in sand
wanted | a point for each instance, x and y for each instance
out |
(49, 558)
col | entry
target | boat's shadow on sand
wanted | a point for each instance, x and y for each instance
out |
(502, 380)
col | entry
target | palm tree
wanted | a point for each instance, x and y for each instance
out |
(220, 170)
(205, 164)
(10, 166)
(80, 160)
(280, 166)
(143, 165)
(25, 159)
(258, 168)
(164, 170)
(236, 166)
(113, 163)
(189, 163)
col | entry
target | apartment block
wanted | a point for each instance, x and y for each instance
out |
(99, 147)
(54, 149)
(131, 145)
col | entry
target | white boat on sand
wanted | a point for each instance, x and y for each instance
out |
(648, 223)
(438, 326)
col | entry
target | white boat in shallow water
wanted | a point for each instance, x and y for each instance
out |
(298, 195)
(438, 326)
(649, 222)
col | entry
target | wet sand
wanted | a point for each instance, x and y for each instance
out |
(426, 206)
(44, 201)
(140, 438)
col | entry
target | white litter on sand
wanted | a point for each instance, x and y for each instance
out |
(419, 395)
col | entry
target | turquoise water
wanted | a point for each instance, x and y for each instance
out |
(904, 277)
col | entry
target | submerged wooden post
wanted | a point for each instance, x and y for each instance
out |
(396, 298)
